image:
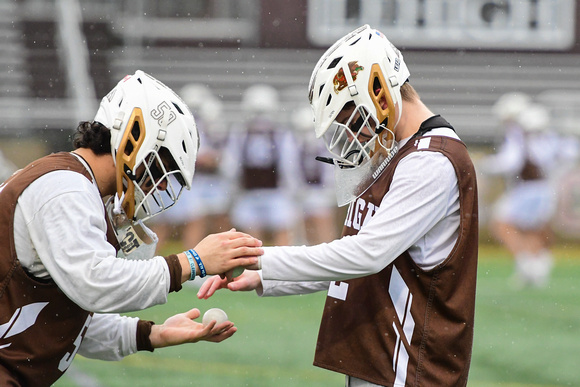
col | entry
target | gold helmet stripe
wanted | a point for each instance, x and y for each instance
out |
(389, 112)
(125, 160)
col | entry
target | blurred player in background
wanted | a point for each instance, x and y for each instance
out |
(62, 283)
(530, 160)
(401, 281)
(203, 209)
(315, 191)
(260, 162)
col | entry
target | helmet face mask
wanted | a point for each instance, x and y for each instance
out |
(362, 71)
(356, 141)
(154, 143)
(158, 184)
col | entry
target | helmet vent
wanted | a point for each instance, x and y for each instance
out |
(183, 146)
(328, 100)
(136, 131)
(334, 62)
(135, 134)
(178, 108)
(355, 42)
(376, 86)
(129, 148)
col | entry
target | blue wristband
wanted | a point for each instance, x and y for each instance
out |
(191, 264)
(202, 272)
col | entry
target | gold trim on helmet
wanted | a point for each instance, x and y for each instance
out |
(390, 111)
(126, 157)
(386, 137)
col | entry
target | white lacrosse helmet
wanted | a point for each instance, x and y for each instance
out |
(534, 118)
(510, 105)
(194, 95)
(211, 110)
(260, 99)
(365, 70)
(204, 104)
(154, 143)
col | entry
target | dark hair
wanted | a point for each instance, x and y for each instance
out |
(94, 136)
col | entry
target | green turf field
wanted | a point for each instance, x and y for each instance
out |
(527, 337)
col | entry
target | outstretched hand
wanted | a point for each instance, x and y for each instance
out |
(181, 329)
(248, 280)
(227, 250)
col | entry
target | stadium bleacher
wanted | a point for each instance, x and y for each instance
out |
(461, 85)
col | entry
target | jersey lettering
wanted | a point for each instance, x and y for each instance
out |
(67, 359)
(348, 221)
(359, 213)
(371, 209)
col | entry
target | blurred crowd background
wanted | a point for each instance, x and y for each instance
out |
(243, 67)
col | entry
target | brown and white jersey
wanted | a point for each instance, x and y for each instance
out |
(260, 161)
(41, 329)
(406, 325)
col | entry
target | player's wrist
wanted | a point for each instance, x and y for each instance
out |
(186, 273)
(192, 265)
(199, 264)
(145, 335)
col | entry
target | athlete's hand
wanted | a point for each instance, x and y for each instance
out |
(248, 280)
(181, 329)
(225, 251)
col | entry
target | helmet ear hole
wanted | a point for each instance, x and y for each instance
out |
(129, 149)
(135, 134)
(376, 86)
(136, 131)
(381, 97)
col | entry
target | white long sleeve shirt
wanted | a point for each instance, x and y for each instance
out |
(419, 213)
(60, 233)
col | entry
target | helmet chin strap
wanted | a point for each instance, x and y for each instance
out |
(382, 126)
(328, 160)
(332, 161)
(118, 204)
